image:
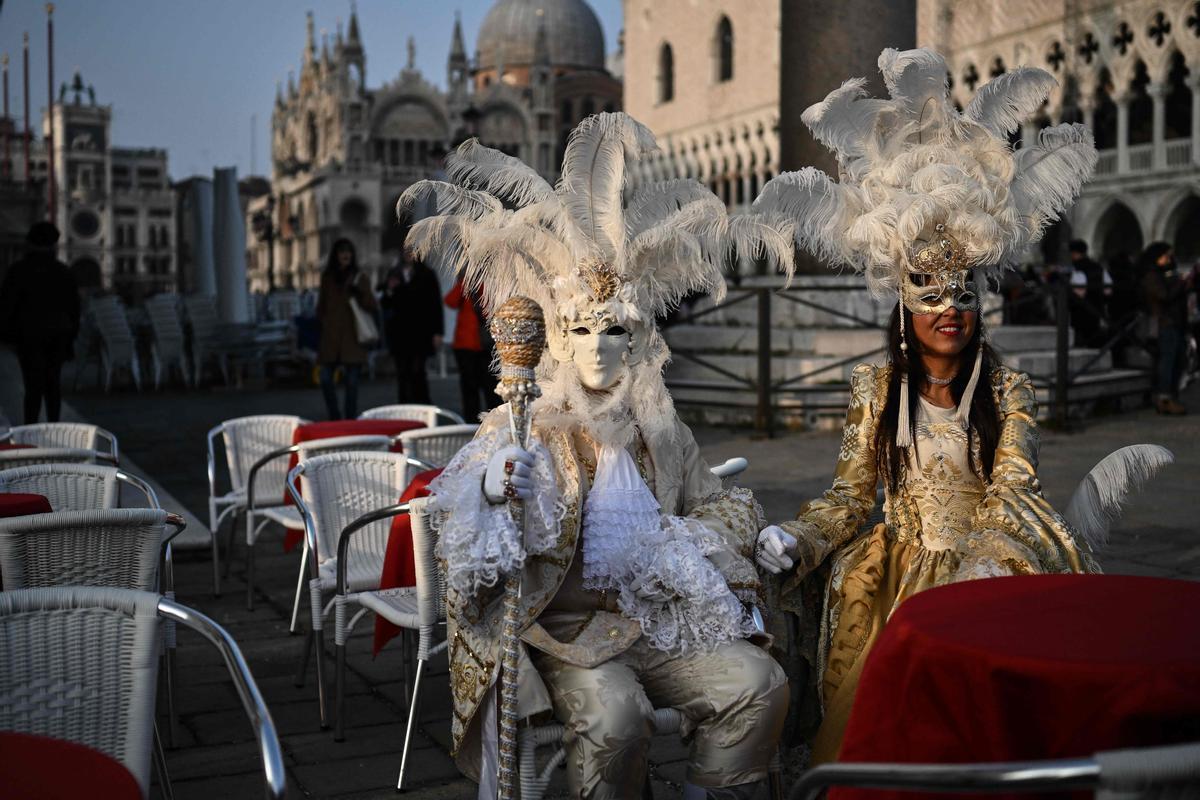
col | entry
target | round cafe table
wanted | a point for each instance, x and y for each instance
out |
(54, 769)
(1029, 668)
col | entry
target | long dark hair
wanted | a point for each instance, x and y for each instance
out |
(984, 418)
(331, 262)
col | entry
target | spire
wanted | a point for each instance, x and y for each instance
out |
(278, 94)
(340, 40)
(325, 59)
(310, 45)
(412, 54)
(352, 37)
(291, 85)
(457, 49)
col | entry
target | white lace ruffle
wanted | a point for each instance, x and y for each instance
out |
(620, 510)
(704, 612)
(479, 541)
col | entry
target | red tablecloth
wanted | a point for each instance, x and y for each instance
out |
(399, 566)
(12, 446)
(53, 769)
(333, 429)
(16, 504)
(1028, 668)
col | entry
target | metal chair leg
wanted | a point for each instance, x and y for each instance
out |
(302, 674)
(213, 525)
(160, 767)
(299, 589)
(249, 576)
(339, 680)
(413, 711)
(229, 539)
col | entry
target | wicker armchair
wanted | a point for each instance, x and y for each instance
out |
(421, 413)
(75, 435)
(437, 445)
(111, 677)
(337, 489)
(289, 516)
(246, 440)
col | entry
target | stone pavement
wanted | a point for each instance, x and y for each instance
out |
(162, 435)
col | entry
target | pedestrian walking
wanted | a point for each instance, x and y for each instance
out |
(473, 347)
(39, 315)
(342, 283)
(1165, 291)
(412, 322)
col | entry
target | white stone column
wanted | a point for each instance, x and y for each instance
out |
(1122, 101)
(1158, 95)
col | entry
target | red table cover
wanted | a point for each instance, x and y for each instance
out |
(399, 566)
(18, 504)
(1029, 668)
(54, 769)
(14, 446)
(333, 429)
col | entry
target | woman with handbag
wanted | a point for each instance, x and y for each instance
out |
(346, 308)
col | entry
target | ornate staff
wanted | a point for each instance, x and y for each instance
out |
(520, 333)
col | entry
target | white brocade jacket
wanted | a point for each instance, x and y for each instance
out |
(683, 485)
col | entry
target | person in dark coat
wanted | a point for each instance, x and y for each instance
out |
(1166, 293)
(340, 281)
(412, 314)
(1089, 308)
(39, 315)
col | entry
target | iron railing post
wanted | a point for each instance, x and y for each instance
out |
(1062, 318)
(764, 418)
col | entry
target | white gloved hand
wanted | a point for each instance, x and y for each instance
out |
(521, 478)
(650, 590)
(774, 549)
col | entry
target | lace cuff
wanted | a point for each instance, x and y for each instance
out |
(703, 612)
(479, 541)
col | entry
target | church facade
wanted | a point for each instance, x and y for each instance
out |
(342, 152)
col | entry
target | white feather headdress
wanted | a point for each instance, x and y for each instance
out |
(913, 161)
(583, 245)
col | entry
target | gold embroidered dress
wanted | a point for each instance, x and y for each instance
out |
(945, 522)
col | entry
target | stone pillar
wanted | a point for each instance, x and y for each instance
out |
(1122, 101)
(1087, 107)
(1193, 83)
(1158, 94)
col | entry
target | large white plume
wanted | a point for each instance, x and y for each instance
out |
(913, 160)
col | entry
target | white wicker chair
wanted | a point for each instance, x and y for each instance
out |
(421, 413)
(336, 489)
(289, 516)
(25, 457)
(98, 646)
(76, 487)
(437, 445)
(246, 440)
(76, 435)
(117, 345)
(201, 310)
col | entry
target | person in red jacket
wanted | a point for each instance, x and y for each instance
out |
(473, 349)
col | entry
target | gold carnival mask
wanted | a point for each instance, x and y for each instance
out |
(939, 276)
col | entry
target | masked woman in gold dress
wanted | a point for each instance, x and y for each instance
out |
(931, 203)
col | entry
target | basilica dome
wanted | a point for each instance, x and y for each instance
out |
(509, 33)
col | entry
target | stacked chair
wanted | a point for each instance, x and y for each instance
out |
(167, 348)
(201, 310)
(118, 348)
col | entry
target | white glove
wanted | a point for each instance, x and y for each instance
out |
(521, 478)
(774, 549)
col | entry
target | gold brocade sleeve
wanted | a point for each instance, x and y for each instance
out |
(825, 524)
(1013, 503)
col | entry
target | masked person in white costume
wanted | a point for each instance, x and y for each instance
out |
(637, 568)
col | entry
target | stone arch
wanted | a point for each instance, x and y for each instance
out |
(1117, 230)
(1178, 112)
(723, 50)
(666, 73)
(1180, 229)
(1104, 120)
(354, 212)
(1141, 107)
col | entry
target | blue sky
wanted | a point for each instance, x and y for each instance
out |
(188, 74)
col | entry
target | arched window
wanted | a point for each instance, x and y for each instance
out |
(666, 74)
(724, 50)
